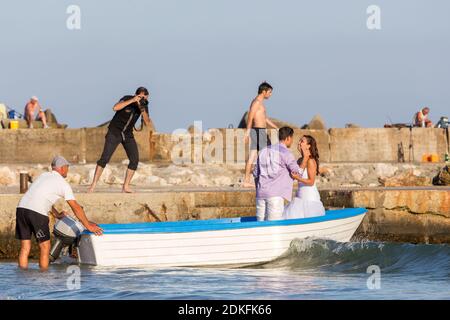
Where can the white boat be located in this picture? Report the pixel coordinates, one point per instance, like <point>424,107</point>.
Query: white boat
<point>232,241</point>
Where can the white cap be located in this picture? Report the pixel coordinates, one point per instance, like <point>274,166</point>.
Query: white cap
<point>34,98</point>
<point>59,162</point>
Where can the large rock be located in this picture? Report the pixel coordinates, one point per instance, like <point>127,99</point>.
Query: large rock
<point>7,176</point>
<point>144,169</point>
<point>74,178</point>
<point>152,180</point>
<point>222,181</point>
<point>194,130</point>
<point>52,121</point>
<point>200,180</point>
<point>316,123</point>
<point>359,174</point>
<point>34,173</point>
<point>175,181</point>
<point>443,177</point>
<point>405,179</point>
<point>384,170</point>
<point>106,176</point>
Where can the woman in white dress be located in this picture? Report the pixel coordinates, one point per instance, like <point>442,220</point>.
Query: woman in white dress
<point>306,203</point>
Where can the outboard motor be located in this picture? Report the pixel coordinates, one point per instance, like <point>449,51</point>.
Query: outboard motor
<point>66,231</point>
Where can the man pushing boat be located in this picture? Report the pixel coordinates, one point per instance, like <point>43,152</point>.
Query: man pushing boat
<point>34,207</point>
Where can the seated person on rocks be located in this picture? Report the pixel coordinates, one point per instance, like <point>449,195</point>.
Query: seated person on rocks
<point>31,108</point>
<point>421,118</point>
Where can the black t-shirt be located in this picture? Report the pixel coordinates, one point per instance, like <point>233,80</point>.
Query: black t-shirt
<point>125,119</point>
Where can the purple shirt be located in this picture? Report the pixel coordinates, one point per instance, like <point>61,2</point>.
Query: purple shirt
<point>272,172</point>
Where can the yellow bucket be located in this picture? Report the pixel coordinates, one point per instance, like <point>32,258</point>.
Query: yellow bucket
<point>430,158</point>
<point>14,124</point>
<point>425,157</point>
<point>434,157</point>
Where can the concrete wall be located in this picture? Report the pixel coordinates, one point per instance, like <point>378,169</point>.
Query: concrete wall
<point>94,140</point>
<point>77,145</point>
<point>381,145</point>
<point>335,145</point>
<point>398,215</point>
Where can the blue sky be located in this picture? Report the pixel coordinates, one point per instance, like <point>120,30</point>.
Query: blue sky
<point>203,60</point>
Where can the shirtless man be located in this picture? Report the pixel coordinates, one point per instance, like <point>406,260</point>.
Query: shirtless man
<point>30,111</point>
<point>421,118</point>
<point>256,129</point>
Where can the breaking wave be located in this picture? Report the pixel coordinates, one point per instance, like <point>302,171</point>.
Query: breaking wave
<point>394,258</point>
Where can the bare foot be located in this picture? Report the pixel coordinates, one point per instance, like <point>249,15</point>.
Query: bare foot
<point>248,185</point>
<point>127,190</point>
<point>91,189</point>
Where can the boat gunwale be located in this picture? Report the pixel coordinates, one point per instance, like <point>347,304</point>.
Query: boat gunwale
<point>222,224</point>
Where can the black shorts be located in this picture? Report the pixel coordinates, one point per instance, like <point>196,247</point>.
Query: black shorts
<point>259,139</point>
<point>112,140</point>
<point>30,222</point>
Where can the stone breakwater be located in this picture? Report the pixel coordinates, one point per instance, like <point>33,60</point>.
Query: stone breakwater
<point>417,215</point>
<point>409,214</point>
<point>85,145</point>
<point>343,175</point>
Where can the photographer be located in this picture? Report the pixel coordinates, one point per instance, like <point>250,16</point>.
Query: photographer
<point>120,130</point>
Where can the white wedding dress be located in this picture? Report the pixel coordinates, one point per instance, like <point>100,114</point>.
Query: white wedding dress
<point>306,203</point>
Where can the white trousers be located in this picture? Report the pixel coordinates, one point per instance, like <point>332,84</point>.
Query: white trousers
<point>269,209</point>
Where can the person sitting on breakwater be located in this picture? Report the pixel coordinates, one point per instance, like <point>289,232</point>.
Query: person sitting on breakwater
<point>421,118</point>
<point>306,203</point>
<point>30,113</point>
<point>32,211</point>
<point>273,181</point>
<point>120,130</point>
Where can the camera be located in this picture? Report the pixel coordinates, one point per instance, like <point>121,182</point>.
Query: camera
<point>143,102</point>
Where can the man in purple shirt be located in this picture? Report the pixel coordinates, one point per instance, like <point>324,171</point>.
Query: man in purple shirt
<point>273,177</point>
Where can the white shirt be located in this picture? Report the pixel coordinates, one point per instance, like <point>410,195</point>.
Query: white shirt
<point>45,191</point>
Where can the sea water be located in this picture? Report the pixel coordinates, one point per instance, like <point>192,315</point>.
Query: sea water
<point>310,269</point>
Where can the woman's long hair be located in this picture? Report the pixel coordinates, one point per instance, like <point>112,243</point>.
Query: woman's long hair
<point>313,149</point>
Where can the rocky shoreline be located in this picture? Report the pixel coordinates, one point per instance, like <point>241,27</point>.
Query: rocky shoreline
<point>334,175</point>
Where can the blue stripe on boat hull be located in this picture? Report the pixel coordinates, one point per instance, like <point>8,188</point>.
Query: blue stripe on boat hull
<point>222,224</point>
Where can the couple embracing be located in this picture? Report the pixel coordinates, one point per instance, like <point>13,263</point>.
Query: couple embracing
<point>275,172</point>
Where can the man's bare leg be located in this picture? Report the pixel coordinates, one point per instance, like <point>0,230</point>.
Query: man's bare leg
<point>25,248</point>
<point>44,256</point>
<point>126,184</point>
<point>248,168</point>
<point>29,119</point>
<point>43,119</point>
<point>97,175</point>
